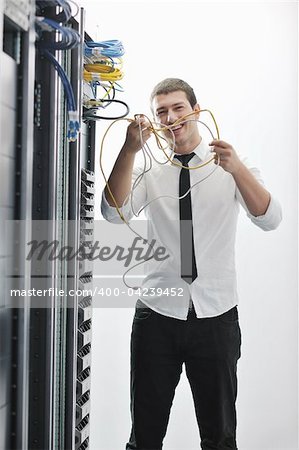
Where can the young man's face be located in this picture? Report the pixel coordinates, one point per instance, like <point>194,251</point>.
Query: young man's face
<point>168,108</point>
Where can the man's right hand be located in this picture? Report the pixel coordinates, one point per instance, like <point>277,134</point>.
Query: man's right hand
<point>120,179</point>
<point>133,142</point>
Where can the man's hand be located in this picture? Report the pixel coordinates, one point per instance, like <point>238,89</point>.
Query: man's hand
<point>228,158</point>
<point>256,197</point>
<point>120,179</point>
<point>133,142</point>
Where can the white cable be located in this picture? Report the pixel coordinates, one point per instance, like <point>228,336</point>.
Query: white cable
<point>139,178</point>
<point>178,198</point>
<point>147,151</point>
<point>189,190</point>
<point>77,7</point>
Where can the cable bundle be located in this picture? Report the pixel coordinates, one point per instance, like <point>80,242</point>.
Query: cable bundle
<point>158,129</point>
<point>103,61</point>
<point>103,70</point>
<point>112,48</point>
<point>69,39</point>
<point>148,156</point>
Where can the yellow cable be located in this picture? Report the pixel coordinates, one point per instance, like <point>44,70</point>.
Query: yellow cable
<point>104,71</point>
<point>114,75</point>
<point>177,122</point>
<point>94,102</point>
<point>97,66</point>
<point>158,140</point>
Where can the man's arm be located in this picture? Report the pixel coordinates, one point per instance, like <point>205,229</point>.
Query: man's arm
<point>120,179</point>
<point>255,196</point>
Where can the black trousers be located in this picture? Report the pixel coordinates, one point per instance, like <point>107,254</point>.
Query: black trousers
<point>209,348</point>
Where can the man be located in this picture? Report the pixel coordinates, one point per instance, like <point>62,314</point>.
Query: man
<point>198,326</point>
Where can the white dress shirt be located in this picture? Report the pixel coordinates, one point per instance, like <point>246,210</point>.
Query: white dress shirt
<point>215,208</point>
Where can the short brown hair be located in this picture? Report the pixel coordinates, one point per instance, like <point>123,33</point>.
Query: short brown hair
<point>171,85</point>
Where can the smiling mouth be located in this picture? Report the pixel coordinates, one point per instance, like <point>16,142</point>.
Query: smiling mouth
<point>176,128</point>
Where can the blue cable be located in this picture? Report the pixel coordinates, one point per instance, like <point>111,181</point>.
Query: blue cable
<point>73,124</point>
<point>69,38</point>
<point>66,14</point>
<point>113,48</point>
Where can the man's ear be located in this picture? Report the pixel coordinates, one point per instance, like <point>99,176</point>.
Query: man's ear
<point>197,108</point>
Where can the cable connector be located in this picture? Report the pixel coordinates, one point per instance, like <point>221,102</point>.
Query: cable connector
<point>73,126</point>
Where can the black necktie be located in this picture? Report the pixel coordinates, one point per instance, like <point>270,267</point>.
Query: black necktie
<point>188,263</point>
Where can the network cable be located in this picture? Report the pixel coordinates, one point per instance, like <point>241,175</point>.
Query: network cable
<point>103,69</point>
<point>69,39</point>
<point>101,72</point>
<point>73,116</point>
<point>97,101</point>
<point>93,115</point>
<point>113,48</point>
<point>146,151</point>
<point>156,132</point>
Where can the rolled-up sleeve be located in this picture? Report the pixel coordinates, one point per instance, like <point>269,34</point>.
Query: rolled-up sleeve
<point>133,203</point>
<point>273,216</point>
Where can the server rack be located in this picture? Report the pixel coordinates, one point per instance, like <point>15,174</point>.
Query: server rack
<point>45,345</point>
<point>16,127</point>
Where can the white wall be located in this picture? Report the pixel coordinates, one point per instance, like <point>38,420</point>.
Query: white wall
<point>241,58</point>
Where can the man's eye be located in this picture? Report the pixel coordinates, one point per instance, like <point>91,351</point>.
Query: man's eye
<point>160,113</point>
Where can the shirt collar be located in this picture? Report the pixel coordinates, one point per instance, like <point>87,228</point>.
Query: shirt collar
<point>202,150</point>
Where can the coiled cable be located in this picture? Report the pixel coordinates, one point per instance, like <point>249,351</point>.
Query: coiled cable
<point>113,48</point>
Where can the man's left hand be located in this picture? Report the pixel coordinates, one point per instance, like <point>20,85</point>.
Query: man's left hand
<point>228,158</point>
